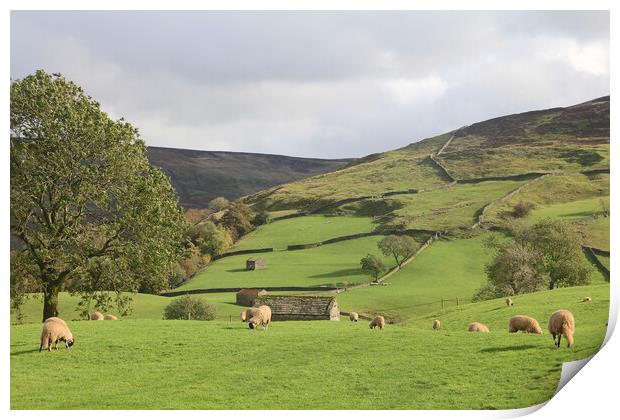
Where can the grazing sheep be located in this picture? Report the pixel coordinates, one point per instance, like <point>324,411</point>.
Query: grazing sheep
<point>353,316</point>
<point>261,317</point>
<point>110,317</point>
<point>562,323</point>
<point>96,316</point>
<point>524,323</point>
<point>509,302</point>
<point>587,299</point>
<point>55,330</point>
<point>436,324</point>
<point>377,321</point>
<point>248,313</point>
<point>477,327</point>
<point>56,319</point>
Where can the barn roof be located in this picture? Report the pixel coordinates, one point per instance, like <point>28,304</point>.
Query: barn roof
<point>250,291</point>
<point>302,305</point>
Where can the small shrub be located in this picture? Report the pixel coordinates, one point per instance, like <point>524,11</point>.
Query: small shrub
<point>190,308</point>
<point>522,209</point>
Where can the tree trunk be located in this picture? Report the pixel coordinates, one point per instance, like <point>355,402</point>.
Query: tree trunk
<point>50,301</point>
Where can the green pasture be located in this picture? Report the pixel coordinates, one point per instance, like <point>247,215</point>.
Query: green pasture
<point>596,233</point>
<point>307,365</point>
<point>326,265</point>
<point>572,211</point>
<point>303,230</point>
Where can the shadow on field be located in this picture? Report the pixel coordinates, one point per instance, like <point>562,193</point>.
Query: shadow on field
<point>509,348</point>
<point>236,270</point>
<point>338,273</point>
<point>17,353</point>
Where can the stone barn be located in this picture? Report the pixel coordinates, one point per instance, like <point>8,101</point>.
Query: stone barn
<point>301,308</point>
<point>255,264</point>
<point>246,297</point>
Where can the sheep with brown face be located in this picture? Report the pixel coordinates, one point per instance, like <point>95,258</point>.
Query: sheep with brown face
<point>562,323</point>
<point>524,323</point>
<point>248,313</point>
<point>261,317</point>
<point>477,327</point>
<point>96,316</point>
<point>55,330</point>
<point>353,316</point>
<point>436,324</point>
<point>377,321</point>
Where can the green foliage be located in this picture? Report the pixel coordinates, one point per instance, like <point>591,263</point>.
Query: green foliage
<point>210,238</point>
<point>399,247</point>
<point>218,204</point>
<point>559,243</point>
<point>190,308</point>
<point>82,190</point>
<point>238,219</point>
<point>373,265</point>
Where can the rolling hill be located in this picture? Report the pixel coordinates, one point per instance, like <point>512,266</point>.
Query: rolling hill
<point>199,176</point>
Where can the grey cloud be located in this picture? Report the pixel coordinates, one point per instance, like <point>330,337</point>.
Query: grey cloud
<point>325,84</point>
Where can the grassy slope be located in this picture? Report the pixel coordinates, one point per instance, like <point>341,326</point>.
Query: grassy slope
<point>302,230</point>
<point>193,364</point>
<point>572,211</point>
<point>325,265</point>
<point>445,270</point>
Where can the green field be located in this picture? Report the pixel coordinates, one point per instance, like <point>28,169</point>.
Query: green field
<point>597,233</point>
<point>445,270</point>
<point>325,265</point>
<point>303,230</point>
<point>200,365</point>
<point>144,306</point>
<point>575,210</point>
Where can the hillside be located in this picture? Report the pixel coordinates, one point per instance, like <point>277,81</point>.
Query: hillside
<point>199,176</point>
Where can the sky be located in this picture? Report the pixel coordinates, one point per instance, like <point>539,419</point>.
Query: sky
<point>315,84</point>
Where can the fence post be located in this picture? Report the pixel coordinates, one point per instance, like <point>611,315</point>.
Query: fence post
<point>457,301</point>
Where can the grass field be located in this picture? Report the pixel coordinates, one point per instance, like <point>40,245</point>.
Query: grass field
<point>445,270</point>
<point>597,233</point>
<point>144,306</point>
<point>303,230</point>
<point>572,211</point>
<point>194,364</point>
<point>325,265</point>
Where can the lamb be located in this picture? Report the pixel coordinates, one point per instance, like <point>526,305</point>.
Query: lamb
<point>248,313</point>
<point>261,317</point>
<point>587,299</point>
<point>110,317</point>
<point>524,323</point>
<point>96,316</point>
<point>353,316</point>
<point>436,324</point>
<point>477,327</point>
<point>55,330</point>
<point>377,321</point>
<point>562,323</point>
<point>509,302</point>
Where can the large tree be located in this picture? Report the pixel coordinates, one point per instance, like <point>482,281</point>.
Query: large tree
<point>83,192</point>
<point>399,247</point>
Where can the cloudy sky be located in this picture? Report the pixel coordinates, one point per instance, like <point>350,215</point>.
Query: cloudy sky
<point>315,84</point>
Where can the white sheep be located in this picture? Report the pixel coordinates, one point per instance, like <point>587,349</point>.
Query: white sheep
<point>110,317</point>
<point>353,316</point>
<point>477,327</point>
<point>55,330</point>
<point>587,299</point>
<point>377,321</point>
<point>261,317</point>
<point>524,323</point>
<point>562,323</point>
<point>509,302</point>
<point>436,324</point>
<point>248,313</point>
